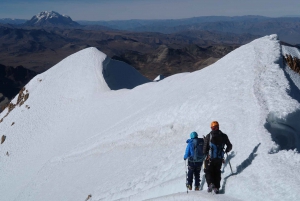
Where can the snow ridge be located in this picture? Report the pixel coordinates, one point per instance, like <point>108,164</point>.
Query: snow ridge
<point>84,134</point>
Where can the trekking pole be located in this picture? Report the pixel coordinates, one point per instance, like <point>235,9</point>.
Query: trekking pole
<point>229,164</point>
<point>186,177</point>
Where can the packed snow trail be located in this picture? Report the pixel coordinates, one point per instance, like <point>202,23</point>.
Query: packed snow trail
<point>195,196</point>
<point>81,138</point>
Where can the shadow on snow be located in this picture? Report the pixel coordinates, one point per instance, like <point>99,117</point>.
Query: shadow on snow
<point>239,168</point>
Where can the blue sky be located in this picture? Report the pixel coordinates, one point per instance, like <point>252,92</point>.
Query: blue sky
<point>148,9</point>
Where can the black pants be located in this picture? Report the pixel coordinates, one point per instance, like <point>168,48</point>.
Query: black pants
<point>194,170</point>
<point>213,171</point>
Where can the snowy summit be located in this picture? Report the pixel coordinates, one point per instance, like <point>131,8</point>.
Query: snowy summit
<point>91,128</point>
<point>48,18</point>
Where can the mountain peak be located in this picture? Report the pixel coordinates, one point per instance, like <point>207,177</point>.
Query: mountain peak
<point>49,14</point>
<point>51,18</point>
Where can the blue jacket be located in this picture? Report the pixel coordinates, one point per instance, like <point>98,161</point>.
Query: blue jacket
<point>189,151</point>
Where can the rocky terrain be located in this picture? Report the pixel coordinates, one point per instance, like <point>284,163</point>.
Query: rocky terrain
<point>293,63</point>
<point>39,49</point>
<point>167,61</point>
<point>12,81</point>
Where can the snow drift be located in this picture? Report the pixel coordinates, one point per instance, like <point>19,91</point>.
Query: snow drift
<point>82,138</point>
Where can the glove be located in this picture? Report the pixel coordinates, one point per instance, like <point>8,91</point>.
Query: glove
<point>226,150</point>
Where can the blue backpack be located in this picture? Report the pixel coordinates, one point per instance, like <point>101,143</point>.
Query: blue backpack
<point>216,150</point>
<point>198,155</point>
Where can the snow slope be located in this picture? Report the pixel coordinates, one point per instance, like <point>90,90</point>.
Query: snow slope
<point>82,138</point>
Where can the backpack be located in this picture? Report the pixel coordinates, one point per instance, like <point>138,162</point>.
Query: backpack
<point>198,155</point>
<point>216,150</point>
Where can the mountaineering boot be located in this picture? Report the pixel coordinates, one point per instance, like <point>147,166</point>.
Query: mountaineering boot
<point>216,191</point>
<point>197,188</point>
<point>189,187</point>
<point>210,187</point>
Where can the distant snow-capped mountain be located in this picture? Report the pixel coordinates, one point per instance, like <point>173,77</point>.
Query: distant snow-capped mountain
<point>50,18</point>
